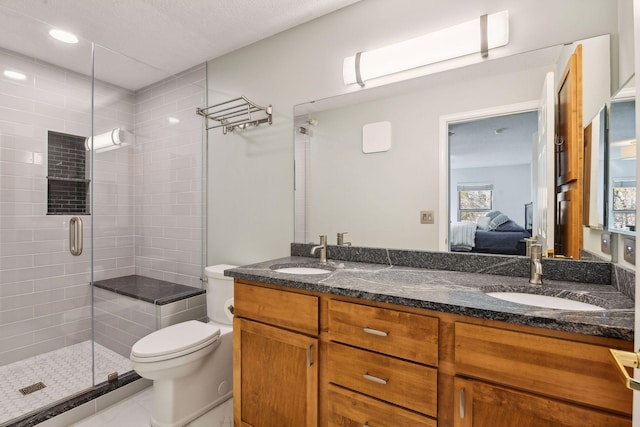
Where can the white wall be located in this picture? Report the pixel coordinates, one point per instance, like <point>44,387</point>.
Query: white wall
<point>251,174</point>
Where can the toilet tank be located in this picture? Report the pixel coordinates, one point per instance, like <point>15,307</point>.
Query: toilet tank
<point>219,293</point>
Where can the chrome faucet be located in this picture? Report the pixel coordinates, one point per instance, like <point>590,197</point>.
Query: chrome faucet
<point>341,241</point>
<point>323,248</point>
<point>535,276</point>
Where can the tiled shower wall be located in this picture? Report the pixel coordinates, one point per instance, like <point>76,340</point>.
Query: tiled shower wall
<point>168,179</point>
<point>147,204</point>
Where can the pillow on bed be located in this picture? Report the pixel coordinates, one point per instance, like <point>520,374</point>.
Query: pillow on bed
<point>483,222</point>
<point>492,214</point>
<point>498,221</point>
<point>509,226</point>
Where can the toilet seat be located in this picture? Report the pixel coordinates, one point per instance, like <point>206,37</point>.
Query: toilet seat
<point>174,341</point>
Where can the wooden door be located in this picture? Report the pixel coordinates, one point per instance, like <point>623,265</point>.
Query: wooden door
<point>275,376</point>
<point>479,404</point>
<point>568,160</point>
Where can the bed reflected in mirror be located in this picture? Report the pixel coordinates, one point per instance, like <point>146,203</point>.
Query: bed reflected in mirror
<point>490,183</point>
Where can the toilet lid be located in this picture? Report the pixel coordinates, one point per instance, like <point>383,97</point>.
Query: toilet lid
<point>176,339</point>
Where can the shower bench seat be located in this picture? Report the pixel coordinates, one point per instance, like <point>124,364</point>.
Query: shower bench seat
<point>130,307</point>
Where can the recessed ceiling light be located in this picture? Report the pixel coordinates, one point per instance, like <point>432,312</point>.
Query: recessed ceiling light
<point>174,120</point>
<point>63,36</point>
<point>14,75</point>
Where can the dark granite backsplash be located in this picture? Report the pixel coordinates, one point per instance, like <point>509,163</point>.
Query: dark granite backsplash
<point>624,280</point>
<point>503,265</point>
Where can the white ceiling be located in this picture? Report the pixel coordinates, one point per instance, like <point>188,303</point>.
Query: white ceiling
<point>494,141</point>
<point>168,36</point>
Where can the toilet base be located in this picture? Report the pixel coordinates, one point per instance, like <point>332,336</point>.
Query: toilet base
<point>185,418</point>
<point>178,401</point>
<point>220,416</point>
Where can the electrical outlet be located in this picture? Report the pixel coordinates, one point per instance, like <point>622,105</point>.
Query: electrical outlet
<point>426,217</point>
<point>605,243</point>
<point>630,250</point>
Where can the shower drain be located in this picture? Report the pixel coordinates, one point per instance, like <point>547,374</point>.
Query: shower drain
<point>31,388</point>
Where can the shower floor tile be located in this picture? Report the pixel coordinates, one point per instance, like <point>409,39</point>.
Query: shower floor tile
<point>64,372</point>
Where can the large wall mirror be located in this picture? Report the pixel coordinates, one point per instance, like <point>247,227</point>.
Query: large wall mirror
<point>385,187</point>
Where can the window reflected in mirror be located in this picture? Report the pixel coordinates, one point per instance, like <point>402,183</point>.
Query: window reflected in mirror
<point>622,166</point>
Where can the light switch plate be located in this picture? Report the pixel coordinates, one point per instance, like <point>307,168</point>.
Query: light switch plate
<point>427,217</point>
<point>630,250</point>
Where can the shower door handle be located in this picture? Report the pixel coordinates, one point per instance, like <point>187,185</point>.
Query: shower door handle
<point>75,236</point>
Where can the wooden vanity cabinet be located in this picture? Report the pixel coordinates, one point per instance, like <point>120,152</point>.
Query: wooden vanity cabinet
<point>275,357</point>
<point>310,359</point>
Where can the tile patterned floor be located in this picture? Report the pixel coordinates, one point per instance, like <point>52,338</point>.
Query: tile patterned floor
<point>65,372</point>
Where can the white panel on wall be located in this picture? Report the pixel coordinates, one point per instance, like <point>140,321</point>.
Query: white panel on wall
<point>376,137</point>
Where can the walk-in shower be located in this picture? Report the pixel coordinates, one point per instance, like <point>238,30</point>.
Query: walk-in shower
<point>99,246</point>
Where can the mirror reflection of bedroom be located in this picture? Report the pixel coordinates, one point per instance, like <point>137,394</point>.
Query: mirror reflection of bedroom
<point>490,183</point>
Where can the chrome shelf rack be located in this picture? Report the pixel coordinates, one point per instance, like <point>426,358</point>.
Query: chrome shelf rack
<point>239,113</point>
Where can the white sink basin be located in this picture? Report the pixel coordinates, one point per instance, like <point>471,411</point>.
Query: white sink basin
<point>302,270</point>
<point>544,301</point>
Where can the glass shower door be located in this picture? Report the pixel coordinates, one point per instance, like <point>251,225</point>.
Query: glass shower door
<point>46,352</point>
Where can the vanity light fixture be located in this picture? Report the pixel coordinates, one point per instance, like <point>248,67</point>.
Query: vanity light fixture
<point>478,35</point>
<point>14,75</point>
<point>63,36</point>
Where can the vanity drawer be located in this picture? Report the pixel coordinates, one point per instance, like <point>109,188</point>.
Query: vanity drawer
<point>569,370</point>
<point>397,381</point>
<point>405,335</point>
<point>288,310</point>
<point>347,408</point>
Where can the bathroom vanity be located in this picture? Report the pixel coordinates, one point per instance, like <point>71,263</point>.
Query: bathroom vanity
<point>381,345</point>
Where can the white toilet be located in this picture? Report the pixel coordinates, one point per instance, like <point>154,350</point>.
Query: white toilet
<point>191,363</point>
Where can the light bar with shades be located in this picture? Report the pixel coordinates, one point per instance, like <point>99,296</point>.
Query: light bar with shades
<point>478,35</point>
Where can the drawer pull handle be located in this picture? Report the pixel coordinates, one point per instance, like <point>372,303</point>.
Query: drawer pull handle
<point>366,424</point>
<point>309,356</point>
<point>375,379</point>
<point>375,332</point>
<point>461,408</point>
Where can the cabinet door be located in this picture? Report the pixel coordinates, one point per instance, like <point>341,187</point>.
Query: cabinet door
<point>275,379</point>
<point>478,404</point>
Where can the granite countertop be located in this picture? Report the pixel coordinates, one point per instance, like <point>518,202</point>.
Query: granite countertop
<point>456,292</point>
<point>159,292</point>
